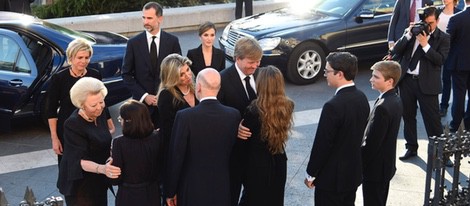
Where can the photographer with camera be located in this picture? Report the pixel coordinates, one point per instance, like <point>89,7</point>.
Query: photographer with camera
<point>422,51</point>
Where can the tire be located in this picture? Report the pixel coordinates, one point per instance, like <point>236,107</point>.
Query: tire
<point>306,64</point>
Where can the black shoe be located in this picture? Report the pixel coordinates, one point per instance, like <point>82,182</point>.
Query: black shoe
<point>409,154</point>
<point>443,112</point>
<point>449,163</point>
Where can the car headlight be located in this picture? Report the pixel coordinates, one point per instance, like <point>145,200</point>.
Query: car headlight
<point>225,33</point>
<point>269,43</point>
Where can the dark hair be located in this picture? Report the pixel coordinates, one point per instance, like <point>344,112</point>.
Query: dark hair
<point>136,119</point>
<point>344,62</point>
<point>206,26</point>
<point>428,11</point>
<point>154,5</point>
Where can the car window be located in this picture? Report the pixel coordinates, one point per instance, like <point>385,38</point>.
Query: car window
<point>11,57</point>
<point>379,7</point>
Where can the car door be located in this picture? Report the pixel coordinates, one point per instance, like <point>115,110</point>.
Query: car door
<point>367,29</point>
<point>17,73</point>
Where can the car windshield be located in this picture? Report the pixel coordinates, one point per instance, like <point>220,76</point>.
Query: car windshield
<point>73,34</point>
<point>331,7</point>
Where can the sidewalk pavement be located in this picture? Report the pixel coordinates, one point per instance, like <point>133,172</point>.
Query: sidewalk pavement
<point>406,188</point>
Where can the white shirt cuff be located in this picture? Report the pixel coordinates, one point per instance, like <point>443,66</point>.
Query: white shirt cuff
<point>309,178</point>
<point>143,97</point>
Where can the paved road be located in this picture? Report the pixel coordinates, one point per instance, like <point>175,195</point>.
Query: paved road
<point>27,160</point>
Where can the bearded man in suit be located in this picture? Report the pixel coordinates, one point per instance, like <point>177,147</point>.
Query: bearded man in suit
<point>144,54</point>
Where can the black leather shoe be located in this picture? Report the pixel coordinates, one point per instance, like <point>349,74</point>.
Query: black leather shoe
<point>448,163</point>
<point>409,154</point>
<point>443,112</point>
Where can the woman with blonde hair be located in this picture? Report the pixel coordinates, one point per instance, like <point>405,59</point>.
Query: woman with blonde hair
<point>59,105</point>
<point>176,92</point>
<point>270,119</point>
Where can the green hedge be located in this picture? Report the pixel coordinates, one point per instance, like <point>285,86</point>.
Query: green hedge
<point>66,8</point>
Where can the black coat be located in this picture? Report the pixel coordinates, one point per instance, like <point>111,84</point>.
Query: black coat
<point>379,153</point>
<point>196,56</point>
<point>200,147</point>
<point>430,63</point>
<point>335,159</point>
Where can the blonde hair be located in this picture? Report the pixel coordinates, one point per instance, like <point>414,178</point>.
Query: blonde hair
<point>77,45</point>
<point>170,75</point>
<point>275,108</point>
<point>247,47</point>
<point>83,88</point>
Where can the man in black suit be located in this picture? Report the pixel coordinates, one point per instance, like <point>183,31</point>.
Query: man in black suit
<point>458,62</point>
<point>200,148</point>
<point>335,165</point>
<point>402,16</point>
<point>236,93</point>
<point>144,54</point>
<point>421,58</point>
<point>380,137</point>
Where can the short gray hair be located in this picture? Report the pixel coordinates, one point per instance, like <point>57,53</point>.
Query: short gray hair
<point>83,88</point>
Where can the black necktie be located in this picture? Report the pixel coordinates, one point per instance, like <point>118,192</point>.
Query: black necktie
<point>249,89</point>
<point>153,53</point>
<point>416,56</point>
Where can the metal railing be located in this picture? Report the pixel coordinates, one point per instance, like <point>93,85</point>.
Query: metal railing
<point>30,200</point>
<point>440,149</point>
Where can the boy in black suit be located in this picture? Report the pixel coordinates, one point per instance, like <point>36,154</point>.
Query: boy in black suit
<point>335,165</point>
<point>380,137</point>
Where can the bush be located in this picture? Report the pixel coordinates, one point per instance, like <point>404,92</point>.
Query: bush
<point>66,8</point>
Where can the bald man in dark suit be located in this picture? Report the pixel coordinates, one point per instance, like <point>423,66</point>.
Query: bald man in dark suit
<point>200,148</point>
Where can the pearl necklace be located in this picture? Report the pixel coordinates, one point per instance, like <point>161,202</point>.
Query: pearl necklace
<point>186,93</point>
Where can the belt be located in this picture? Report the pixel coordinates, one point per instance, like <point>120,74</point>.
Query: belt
<point>413,76</point>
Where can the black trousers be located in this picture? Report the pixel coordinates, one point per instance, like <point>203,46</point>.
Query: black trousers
<point>375,193</point>
<point>460,86</point>
<point>329,198</point>
<point>239,8</point>
<point>411,95</point>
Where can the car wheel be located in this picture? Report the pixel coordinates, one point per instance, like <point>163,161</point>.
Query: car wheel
<point>306,63</point>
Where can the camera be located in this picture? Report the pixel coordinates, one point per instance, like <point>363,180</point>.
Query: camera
<point>420,27</point>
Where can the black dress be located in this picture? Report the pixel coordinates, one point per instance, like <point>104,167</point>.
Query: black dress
<point>140,163</point>
<point>167,111</point>
<point>266,173</point>
<point>197,57</point>
<point>84,141</point>
<point>59,97</point>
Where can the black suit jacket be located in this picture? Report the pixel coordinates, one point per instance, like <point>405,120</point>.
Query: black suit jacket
<point>232,92</point>
<point>459,53</point>
<point>137,70</point>
<point>335,159</point>
<point>430,63</point>
<point>196,56</point>
<point>379,153</point>
<point>200,147</point>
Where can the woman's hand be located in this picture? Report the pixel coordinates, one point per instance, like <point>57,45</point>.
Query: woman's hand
<point>111,171</point>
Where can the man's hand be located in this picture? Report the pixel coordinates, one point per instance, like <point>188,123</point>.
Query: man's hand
<point>243,132</point>
<point>151,100</point>
<point>309,184</point>
<point>171,201</point>
<point>422,39</point>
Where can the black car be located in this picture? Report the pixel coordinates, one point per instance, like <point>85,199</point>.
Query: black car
<point>32,50</point>
<point>297,39</point>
